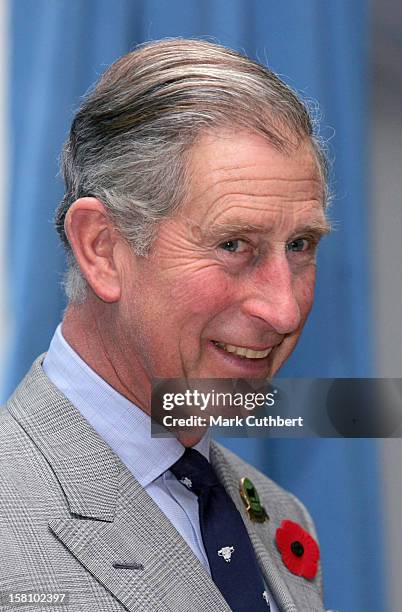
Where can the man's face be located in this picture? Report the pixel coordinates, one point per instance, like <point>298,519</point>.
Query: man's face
<point>229,282</point>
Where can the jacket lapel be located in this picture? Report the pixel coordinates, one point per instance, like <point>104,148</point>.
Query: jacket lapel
<point>114,529</point>
<point>288,590</point>
<point>156,569</point>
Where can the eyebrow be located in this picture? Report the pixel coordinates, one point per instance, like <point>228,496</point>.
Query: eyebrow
<point>223,230</point>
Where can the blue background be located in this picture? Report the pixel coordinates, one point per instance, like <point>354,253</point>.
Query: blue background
<point>320,47</point>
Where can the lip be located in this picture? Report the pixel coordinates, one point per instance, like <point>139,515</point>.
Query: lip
<point>241,366</point>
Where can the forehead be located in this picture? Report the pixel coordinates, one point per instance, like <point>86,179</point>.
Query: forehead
<point>237,175</point>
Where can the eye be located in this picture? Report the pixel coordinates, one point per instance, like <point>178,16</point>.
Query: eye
<point>299,245</point>
<point>235,246</point>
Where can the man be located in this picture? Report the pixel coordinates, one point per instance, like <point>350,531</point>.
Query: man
<point>195,196</point>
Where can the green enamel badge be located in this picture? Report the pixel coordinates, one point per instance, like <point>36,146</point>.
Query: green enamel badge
<point>252,502</point>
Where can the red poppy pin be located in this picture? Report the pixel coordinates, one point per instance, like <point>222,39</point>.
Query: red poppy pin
<point>300,552</point>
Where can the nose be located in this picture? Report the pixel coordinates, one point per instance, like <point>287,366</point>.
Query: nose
<point>272,296</point>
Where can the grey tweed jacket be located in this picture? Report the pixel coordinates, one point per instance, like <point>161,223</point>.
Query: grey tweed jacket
<point>71,512</point>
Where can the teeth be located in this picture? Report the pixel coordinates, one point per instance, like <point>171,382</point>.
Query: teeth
<point>244,352</point>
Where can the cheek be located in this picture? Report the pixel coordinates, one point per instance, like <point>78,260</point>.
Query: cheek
<point>187,307</point>
<point>204,291</point>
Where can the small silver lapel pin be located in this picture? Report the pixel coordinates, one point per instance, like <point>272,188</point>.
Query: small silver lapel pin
<point>226,552</point>
<point>186,481</point>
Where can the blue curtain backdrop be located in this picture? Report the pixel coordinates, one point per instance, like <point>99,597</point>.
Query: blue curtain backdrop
<point>58,48</point>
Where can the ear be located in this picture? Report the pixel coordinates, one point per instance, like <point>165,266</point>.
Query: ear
<point>93,239</point>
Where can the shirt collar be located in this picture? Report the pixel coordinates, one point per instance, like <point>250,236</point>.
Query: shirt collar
<point>122,424</point>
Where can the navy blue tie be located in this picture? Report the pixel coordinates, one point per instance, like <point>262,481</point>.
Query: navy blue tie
<point>231,557</point>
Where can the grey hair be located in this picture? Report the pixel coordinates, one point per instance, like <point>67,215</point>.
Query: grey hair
<point>130,139</point>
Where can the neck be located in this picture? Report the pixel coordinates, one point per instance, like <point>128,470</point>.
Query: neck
<point>87,329</point>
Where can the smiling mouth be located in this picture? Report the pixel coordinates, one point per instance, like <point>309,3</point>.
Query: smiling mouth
<point>242,351</point>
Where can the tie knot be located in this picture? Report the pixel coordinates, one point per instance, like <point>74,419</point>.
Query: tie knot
<point>194,471</point>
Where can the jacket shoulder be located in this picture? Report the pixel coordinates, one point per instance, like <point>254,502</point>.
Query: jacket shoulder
<point>24,471</point>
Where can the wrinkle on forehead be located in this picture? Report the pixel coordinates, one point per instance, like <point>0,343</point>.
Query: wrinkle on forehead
<point>232,154</point>
<point>266,211</point>
<point>288,189</point>
<point>258,169</point>
<point>221,171</point>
